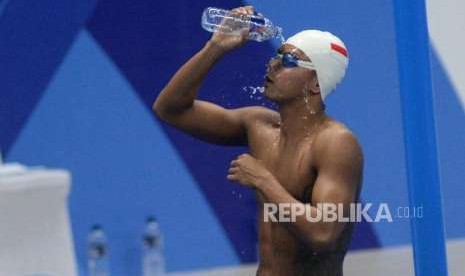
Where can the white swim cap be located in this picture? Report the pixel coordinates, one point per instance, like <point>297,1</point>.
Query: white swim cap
<point>328,54</point>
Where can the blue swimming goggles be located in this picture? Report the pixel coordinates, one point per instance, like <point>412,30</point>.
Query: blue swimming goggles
<point>290,61</point>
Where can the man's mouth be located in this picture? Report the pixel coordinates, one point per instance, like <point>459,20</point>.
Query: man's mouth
<point>268,79</point>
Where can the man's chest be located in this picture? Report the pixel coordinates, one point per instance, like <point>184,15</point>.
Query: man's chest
<point>291,165</point>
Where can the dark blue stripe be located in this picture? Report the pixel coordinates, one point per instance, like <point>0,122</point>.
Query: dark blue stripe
<point>149,42</point>
<point>34,37</point>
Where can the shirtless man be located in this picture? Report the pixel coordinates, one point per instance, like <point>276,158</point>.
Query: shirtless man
<point>298,155</point>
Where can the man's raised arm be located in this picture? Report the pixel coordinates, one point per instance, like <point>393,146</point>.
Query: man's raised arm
<point>177,104</point>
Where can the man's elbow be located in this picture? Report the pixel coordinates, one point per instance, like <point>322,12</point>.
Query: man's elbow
<point>160,110</point>
<point>168,110</point>
<point>157,108</point>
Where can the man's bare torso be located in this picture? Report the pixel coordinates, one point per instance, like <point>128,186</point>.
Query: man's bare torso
<point>290,161</point>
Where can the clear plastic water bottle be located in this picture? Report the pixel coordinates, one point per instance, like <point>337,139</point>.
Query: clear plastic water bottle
<point>97,258</point>
<point>153,262</point>
<point>227,22</point>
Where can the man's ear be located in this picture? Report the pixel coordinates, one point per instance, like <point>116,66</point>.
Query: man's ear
<point>314,86</point>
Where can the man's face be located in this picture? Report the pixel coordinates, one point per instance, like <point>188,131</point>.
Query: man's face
<point>286,84</point>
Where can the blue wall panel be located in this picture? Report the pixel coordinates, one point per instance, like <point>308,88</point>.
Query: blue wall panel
<point>124,167</point>
<point>450,118</point>
<point>149,42</point>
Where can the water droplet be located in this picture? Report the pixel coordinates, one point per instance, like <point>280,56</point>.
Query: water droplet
<point>306,97</point>
<point>255,93</point>
<point>280,36</point>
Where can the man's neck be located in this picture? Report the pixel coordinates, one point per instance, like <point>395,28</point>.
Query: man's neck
<point>300,119</point>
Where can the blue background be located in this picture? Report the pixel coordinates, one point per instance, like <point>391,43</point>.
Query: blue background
<point>77,80</point>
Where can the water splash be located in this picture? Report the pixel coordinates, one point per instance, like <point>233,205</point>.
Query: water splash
<point>306,97</point>
<point>306,92</point>
<point>280,36</point>
<point>255,92</point>
<point>307,100</point>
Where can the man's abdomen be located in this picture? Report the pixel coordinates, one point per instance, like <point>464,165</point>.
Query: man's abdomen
<point>282,254</point>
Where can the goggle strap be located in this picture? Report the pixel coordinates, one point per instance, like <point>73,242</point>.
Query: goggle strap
<point>301,63</point>
<point>306,64</point>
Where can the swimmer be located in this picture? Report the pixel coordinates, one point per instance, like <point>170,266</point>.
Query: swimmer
<point>298,155</point>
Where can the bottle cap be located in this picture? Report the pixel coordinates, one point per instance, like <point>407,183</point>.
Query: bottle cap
<point>96,227</point>
<point>151,219</point>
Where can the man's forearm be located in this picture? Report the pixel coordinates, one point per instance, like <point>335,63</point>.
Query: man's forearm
<point>318,235</point>
<point>182,89</point>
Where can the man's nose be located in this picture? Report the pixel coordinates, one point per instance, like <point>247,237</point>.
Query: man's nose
<point>273,65</point>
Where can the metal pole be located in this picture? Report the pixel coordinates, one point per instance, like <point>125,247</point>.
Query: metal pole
<point>424,188</point>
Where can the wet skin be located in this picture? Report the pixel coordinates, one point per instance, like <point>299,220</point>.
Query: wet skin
<point>282,252</point>
<point>298,155</point>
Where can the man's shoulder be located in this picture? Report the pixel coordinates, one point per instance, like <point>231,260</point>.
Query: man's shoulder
<point>259,114</point>
<point>335,138</point>
<point>333,129</point>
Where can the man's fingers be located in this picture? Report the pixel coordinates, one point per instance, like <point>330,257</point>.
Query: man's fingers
<point>244,10</point>
<point>240,10</point>
<point>231,177</point>
<point>249,9</point>
<point>237,161</point>
<point>233,170</point>
<point>245,34</point>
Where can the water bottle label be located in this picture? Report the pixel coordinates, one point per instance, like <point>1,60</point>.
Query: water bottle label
<point>97,251</point>
<point>152,241</point>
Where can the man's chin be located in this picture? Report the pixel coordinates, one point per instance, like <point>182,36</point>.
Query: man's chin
<point>269,95</point>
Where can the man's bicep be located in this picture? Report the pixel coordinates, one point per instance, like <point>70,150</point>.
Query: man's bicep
<point>338,180</point>
<point>339,169</point>
<point>332,189</point>
<point>213,123</point>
